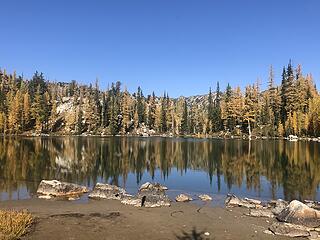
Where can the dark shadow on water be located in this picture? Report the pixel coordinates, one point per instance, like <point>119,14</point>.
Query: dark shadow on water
<point>192,235</point>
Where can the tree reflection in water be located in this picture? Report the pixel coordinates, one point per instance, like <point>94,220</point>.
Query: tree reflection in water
<point>290,167</point>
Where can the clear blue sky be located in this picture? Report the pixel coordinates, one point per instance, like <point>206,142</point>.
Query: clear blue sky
<point>180,46</point>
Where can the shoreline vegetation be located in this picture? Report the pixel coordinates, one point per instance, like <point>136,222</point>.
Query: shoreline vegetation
<point>38,106</point>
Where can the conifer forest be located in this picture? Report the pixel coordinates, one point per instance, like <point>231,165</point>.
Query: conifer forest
<point>40,106</point>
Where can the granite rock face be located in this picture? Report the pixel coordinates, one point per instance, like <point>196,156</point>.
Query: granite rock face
<point>56,188</point>
<point>107,191</point>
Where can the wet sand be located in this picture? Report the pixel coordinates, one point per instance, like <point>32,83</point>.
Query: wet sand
<point>109,219</point>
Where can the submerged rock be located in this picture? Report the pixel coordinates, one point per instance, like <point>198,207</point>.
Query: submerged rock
<point>299,213</point>
<point>107,191</point>
<point>234,201</point>
<point>289,230</point>
<point>205,197</point>
<point>183,198</point>
<point>149,195</point>
<point>60,189</point>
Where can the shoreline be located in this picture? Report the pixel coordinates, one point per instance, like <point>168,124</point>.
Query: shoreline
<point>235,137</point>
<point>109,219</point>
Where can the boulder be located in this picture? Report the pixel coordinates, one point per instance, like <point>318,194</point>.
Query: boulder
<point>261,213</point>
<point>60,189</point>
<point>152,186</point>
<point>107,191</point>
<point>183,198</point>
<point>299,213</point>
<point>136,202</point>
<point>205,197</point>
<point>289,230</point>
<point>312,204</point>
<point>314,235</point>
<point>150,196</point>
<point>234,201</point>
<point>277,205</point>
<point>253,201</point>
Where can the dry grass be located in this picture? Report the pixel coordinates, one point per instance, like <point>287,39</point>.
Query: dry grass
<point>14,224</point>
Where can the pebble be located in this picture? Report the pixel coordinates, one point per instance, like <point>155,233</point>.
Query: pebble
<point>206,233</point>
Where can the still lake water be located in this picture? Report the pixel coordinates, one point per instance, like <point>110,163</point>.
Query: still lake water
<point>264,169</point>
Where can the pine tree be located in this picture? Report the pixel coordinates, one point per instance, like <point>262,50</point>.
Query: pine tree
<point>164,104</point>
<point>184,122</point>
<point>14,117</point>
<point>210,113</point>
<point>216,116</point>
<point>79,115</point>
<point>38,110</point>
<point>26,111</point>
<point>152,112</point>
<point>140,106</point>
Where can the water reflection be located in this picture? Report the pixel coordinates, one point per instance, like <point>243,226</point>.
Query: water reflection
<point>266,169</point>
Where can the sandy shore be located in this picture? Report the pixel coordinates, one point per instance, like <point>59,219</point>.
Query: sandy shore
<point>109,219</point>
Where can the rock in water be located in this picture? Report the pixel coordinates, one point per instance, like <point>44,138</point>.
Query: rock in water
<point>183,198</point>
<point>149,195</point>
<point>59,189</point>
<point>299,213</point>
<point>107,191</point>
<point>289,230</point>
<point>234,201</point>
<point>151,186</point>
<point>205,197</point>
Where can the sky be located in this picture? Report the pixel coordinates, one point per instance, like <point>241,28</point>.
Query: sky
<point>179,46</point>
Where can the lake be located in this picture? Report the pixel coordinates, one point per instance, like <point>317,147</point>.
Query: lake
<point>264,169</point>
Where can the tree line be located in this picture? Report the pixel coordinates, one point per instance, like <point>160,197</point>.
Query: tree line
<point>37,105</point>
